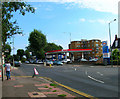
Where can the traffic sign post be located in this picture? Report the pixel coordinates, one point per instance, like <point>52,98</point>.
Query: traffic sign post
<point>106,55</point>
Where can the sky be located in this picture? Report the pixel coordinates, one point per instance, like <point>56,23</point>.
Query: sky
<point>57,19</point>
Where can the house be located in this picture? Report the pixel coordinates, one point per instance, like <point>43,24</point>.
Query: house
<point>116,43</point>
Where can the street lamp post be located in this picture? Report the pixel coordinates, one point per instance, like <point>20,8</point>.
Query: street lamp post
<point>110,41</point>
<point>13,53</point>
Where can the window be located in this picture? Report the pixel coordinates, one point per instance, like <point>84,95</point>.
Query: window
<point>78,45</point>
<point>116,43</point>
<point>78,42</point>
<point>97,45</point>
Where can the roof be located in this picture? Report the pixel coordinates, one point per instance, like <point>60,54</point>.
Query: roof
<point>116,43</point>
<point>68,50</point>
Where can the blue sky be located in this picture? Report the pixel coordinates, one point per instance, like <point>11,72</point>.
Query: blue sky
<point>57,19</point>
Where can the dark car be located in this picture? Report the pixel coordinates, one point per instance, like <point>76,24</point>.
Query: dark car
<point>16,63</point>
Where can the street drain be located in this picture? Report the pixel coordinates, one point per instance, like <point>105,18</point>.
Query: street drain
<point>35,94</point>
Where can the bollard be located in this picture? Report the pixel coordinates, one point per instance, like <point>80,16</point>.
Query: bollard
<point>50,65</point>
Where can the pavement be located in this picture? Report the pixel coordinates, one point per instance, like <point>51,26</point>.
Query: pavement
<point>37,87</point>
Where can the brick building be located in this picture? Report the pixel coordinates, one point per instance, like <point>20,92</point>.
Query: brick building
<point>94,44</point>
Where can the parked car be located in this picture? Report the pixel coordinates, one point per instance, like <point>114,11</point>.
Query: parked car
<point>83,60</point>
<point>55,62</point>
<point>31,61</point>
<point>59,63</point>
<point>39,62</point>
<point>94,59</point>
<point>27,62</point>
<point>17,63</point>
<point>49,62</point>
<point>65,61</point>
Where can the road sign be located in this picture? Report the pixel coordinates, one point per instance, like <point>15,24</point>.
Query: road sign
<point>105,49</point>
<point>106,55</point>
<point>104,43</point>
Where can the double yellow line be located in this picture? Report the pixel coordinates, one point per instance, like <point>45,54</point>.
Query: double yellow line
<point>69,88</point>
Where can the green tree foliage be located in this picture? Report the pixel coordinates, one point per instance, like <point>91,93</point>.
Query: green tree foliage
<point>7,52</point>
<point>52,46</point>
<point>20,53</point>
<point>116,54</point>
<point>16,58</point>
<point>9,27</point>
<point>37,43</point>
<point>7,49</point>
<point>27,54</point>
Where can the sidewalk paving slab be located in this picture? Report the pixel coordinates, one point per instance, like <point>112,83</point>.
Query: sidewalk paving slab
<point>28,87</point>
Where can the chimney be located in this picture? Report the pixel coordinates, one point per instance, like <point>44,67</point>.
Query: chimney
<point>115,37</point>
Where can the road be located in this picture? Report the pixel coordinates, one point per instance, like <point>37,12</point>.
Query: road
<point>97,81</point>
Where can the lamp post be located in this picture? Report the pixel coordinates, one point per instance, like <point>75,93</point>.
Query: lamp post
<point>110,41</point>
<point>13,52</point>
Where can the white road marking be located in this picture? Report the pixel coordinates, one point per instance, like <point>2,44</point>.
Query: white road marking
<point>100,73</point>
<point>95,79</point>
<point>86,72</point>
<point>91,66</point>
<point>75,69</point>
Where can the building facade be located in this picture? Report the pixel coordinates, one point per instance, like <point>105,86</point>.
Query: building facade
<point>94,44</point>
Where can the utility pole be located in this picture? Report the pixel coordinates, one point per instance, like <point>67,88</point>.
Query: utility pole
<point>13,52</point>
<point>1,58</point>
<point>110,41</point>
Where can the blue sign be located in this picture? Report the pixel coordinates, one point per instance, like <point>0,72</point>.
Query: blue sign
<point>105,49</point>
<point>104,43</point>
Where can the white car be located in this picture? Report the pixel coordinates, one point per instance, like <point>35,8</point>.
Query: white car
<point>65,61</point>
<point>84,60</point>
<point>93,60</point>
<point>49,62</point>
<point>39,62</point>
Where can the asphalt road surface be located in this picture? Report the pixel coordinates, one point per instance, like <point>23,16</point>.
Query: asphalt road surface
<point>98,81</point>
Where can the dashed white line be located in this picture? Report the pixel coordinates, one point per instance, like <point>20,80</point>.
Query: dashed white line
<point>100,73</point>
<point>95,79</point>
<point>75,69</point>
<point>86,72</point>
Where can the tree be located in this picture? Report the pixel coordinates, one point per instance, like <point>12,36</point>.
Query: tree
<point>27,54</point>
<point>7,52</point>
<point>9,27</point>
<point>52,46</point>
<point>16,57</point>
<point>7,49</point>
<point>20,53</point>
<point>37,42</point>
<point>116,54</point>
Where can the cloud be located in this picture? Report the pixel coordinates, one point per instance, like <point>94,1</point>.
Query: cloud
<point>82,20</point>
<point>97,5</point>
<point>102,21</point>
